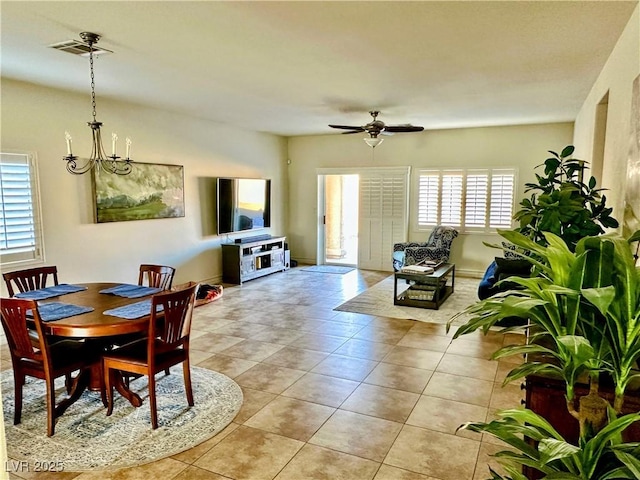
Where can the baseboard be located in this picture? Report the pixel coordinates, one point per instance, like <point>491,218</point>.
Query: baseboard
<point>217,280</point>
<point>469,273</point>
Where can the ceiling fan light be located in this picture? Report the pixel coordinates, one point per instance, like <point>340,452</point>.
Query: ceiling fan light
<point>373,142</point>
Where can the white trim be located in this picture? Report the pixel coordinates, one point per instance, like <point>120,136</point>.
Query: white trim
<point>39,252</point>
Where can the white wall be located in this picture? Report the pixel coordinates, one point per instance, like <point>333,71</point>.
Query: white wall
<point>35,119</point>
<point>616,78</point>
<point>522,147</point>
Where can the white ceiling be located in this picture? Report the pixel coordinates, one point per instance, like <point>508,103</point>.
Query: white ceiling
<point>291,68</point>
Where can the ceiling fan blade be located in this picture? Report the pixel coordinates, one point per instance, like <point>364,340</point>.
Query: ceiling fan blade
<point>347,127</point>
<point>359,130</point>
<point>403,128</point>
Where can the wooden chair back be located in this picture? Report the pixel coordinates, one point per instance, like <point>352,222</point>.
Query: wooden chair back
<point>29,279</point>
<point>174,329</point>
<point>21,345</point>
<point>158,276</point>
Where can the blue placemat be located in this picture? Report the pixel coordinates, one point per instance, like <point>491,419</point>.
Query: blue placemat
<point>133,310</point>
<point>57,310</point>
<point>131,291</point>
<point>48,292</point>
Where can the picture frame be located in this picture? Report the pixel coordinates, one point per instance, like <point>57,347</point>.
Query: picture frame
<point>150,191</point>
<point>631,221</point>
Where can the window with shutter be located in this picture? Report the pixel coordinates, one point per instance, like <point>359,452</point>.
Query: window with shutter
<point>451,199</point>
<point>429,198</point>
<point>476,194</point>
<point>472,200</point>
<point>20,232</point>
<point>502,196</point>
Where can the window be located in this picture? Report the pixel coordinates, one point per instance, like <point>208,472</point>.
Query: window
<point>20,229</point>
<point>474,200</point>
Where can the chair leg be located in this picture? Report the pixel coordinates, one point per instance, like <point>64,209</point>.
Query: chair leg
<point>51,411</point>
<point>103,390</point>
<point>68,382</point>
<point>152,400</point>
<point>187,381</point>
<point>108,387</point>
<point>18,383</point>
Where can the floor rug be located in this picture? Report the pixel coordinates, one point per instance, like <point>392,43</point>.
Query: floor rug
<point>86,439</point>
<point>378,300</point>
<point>328,269</point>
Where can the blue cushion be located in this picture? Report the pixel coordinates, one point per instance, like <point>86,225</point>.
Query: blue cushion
<point>398,261</point>
<point>489,278</point>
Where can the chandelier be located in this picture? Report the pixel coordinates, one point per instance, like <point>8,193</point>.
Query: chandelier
<point>98,159</point>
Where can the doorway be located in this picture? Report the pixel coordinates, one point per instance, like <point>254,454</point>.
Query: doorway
<point>340,224</point>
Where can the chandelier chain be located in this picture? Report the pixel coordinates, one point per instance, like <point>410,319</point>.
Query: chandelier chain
<point>93,82</point>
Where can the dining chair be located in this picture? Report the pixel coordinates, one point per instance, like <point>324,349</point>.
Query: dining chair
<point>29,279</point>
<point>166,344</point>
<point>159,276</point>
<point>46,361</point>
<point>26,281</point>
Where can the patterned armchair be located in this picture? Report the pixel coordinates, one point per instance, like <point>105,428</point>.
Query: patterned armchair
<point>437,248</point>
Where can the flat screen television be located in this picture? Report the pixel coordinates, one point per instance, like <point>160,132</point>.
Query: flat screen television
<point>242,204</point>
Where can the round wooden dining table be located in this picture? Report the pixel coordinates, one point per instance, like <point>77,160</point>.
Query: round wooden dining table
<point>96,324</point>
<point>98,328</point>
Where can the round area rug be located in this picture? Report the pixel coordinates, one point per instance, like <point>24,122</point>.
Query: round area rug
<point>86,439</point>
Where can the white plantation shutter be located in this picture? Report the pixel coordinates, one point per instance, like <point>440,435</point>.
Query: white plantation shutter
<point>451,199</point>
<point>20,238</point>
<point>471,200</point>
<point>383,218</point>
<point>428,198</point>
<point>502,196</point>
<point>477,189</point>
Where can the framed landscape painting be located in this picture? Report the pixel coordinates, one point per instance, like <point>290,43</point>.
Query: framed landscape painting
<point>150,191</point>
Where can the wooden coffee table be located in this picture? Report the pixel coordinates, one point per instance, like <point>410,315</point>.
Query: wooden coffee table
<point>425,290</point>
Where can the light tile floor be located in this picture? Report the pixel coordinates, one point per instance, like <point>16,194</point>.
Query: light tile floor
<point>335,395</point>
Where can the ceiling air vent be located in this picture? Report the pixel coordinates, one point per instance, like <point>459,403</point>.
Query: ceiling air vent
<point>79,48</point>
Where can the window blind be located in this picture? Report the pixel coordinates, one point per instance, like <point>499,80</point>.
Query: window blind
<point>19,232</point>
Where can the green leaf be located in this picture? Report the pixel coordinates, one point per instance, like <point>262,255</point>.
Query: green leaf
<point>552,449</point>
<point>601,298</point>
<point>635,237</point>
<point>551,165</point>
<point>579,347</point>
<point>567,151</point>
<point>631,461</point>
<point>530,368</point>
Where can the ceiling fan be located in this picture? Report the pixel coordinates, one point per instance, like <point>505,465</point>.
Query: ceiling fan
<point>377,127</point>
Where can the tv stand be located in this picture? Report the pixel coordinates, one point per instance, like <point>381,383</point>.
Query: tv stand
<point>252,258</point>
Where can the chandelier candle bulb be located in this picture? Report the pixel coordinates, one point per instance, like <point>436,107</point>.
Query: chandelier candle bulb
<point>128,142</point>
<point>114,139</point>
<point>67,136</point>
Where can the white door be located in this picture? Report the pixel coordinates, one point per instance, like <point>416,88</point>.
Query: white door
<point>383,218</point>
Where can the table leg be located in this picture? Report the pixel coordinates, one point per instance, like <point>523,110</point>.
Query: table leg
<point>80,383</point>
<point>133,398</point>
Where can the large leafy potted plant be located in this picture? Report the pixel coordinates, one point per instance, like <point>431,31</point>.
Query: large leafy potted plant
<point>583,313</point>
<point>562,204</point>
